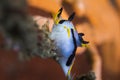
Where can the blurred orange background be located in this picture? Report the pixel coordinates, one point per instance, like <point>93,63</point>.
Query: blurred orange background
<point>98,19</point>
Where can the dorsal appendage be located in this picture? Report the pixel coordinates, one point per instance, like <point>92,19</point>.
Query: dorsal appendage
<point>83,42</point>
<point>57,16</point>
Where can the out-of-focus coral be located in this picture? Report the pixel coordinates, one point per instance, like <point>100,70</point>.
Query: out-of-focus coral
<point>21,33</point>
<point>46,46</point>
<point>88,76</point>
<point>17,27</point>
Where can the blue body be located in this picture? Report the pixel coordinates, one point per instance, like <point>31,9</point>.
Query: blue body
<point>63,43</point>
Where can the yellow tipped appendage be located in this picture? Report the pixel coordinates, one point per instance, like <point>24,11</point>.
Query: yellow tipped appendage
<point>84,45</point>
<point>57,17</point>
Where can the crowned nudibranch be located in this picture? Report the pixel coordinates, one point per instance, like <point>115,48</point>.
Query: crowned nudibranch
<point>66,39</point>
